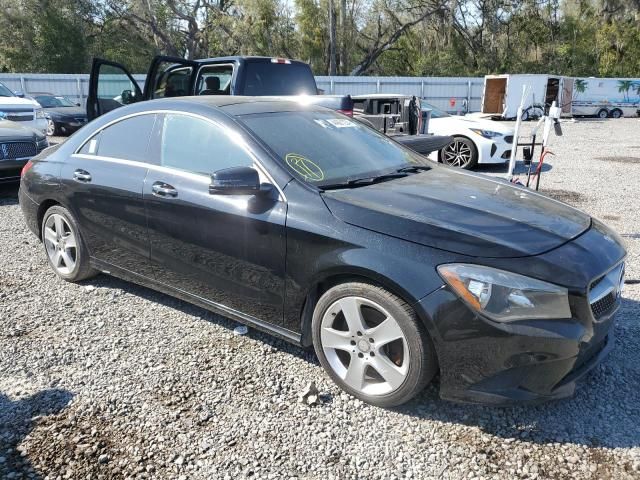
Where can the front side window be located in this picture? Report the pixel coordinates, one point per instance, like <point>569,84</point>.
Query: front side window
<point>324,148</point>
<point>215,80</point>
<point>199,146</point>
<point>127,139</point>
<point>5,92</point>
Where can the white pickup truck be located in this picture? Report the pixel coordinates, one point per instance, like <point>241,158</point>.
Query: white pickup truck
<point>27,112</point>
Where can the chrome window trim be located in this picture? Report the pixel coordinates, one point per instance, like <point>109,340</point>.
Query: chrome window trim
<point>171,170</point>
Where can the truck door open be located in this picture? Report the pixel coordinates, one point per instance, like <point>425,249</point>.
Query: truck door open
<point>110,86</point>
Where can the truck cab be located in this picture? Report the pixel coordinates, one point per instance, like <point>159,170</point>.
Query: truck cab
<point>112,86</point>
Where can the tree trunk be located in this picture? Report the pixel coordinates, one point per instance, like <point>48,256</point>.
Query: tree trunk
<point>333,68</point>
<point>343,37</point>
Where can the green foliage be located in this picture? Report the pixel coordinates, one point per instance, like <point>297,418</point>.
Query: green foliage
<point>578,38</point>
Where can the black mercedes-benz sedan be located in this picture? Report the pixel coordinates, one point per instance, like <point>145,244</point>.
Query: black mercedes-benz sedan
<point>65,116</point>
<point>304,223</point>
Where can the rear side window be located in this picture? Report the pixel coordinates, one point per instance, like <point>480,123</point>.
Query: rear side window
<point>127,139</point>
<point>196,145</point>
<point>215,80</point>
<point>266,78</point>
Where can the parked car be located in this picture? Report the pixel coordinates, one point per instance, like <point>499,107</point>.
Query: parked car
<point>475,140</point>
<point>26,111</point>
<point>65,115</point>
<point>304,223</point>
<point>18,144</point>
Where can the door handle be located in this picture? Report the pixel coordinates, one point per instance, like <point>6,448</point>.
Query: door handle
<point>162,189</point>
<point>82,175</point>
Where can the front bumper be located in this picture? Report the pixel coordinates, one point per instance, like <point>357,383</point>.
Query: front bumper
<point>496,150</point>
<point>482,361</point>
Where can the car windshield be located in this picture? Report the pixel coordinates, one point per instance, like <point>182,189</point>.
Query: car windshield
<point>49,101</point>
<point>324,148</point>
<point>435,112</point>
<point>5,92</point>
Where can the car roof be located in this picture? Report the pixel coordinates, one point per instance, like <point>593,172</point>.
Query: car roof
<point>381,95</point>
<point>240,105</point>
<point>234,58</point>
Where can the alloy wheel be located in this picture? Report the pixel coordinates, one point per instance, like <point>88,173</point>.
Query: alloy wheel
<point>365,346</point>
<point>61,244</point>
<point>457,154</point>
<point>51,127</point>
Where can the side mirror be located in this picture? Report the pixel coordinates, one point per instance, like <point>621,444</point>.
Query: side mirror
<point>235,181</point>
<point>127,97</point>
<point>19,93</point>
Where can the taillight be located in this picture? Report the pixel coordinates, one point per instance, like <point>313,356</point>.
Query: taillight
<point>26,168</point>
<point>348,113</point>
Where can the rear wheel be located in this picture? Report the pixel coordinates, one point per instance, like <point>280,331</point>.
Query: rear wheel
<point>460,153</point>
<point>603,113</point>
<point>63,245</point>
<point>372,345</point>
<point>617,113</point>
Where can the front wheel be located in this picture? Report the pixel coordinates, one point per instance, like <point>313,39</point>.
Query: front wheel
<point>460,153</point>
<point>372,344</point>
<point>65,250</point>
<point>603,113</point>
<point>51,127</point>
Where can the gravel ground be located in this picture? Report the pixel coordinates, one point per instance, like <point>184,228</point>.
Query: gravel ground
<point>110,380</point>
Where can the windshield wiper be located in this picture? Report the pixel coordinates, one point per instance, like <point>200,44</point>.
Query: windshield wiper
<point>361,182</point>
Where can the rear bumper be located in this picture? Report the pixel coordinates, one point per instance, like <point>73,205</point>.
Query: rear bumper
<point>29,211</point>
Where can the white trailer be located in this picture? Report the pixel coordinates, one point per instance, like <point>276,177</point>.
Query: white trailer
<point>502,94</point>
<point>606,97</point>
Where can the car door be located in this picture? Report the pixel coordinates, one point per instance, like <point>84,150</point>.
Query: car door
<point>110,86</point>
<point>170,77</point>
<point>103,181</point>
<point>226,249</point>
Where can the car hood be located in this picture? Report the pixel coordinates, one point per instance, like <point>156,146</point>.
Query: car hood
<point>13,131</point>
<point>17,102</point>
<point>466,122</point>
<point>67,111</point>
<point>460,212</point>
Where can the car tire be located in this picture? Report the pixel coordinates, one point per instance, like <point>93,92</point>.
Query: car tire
<point>65,250</point>
<point>461,153</point>
<point>378,351</point>
<point>51,128</point>
<point>603,113</point>
<point>616,113</point>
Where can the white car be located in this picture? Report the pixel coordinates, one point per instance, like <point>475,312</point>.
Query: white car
<point>475,141</point>
<point>27,112</point>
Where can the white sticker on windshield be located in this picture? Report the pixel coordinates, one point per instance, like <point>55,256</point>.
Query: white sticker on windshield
<point>93,143</point>
<point>341,122</point>
<point>321,122</point>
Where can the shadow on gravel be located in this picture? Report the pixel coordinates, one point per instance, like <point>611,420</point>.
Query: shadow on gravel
<point>107,281</point>
<point>519,169</point>
<point>17,419</point>
<point>605,411</point>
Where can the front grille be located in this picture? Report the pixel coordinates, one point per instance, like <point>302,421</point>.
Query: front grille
<point>604,305</point>
<point>604,292</point>
<point>508,139</point>
<point>11,150</point>
<point>19,118</point>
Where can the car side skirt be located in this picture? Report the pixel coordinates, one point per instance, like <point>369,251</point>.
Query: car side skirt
<point>283,333</point>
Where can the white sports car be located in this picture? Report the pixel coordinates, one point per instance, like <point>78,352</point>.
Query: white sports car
<point>475,141</point>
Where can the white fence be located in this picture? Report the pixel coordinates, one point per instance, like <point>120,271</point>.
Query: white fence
<point>438,91</point>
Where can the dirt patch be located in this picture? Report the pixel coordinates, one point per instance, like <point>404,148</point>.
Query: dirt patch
<point>611,217</point>
<point>620,159</point>
<point>566,196</point>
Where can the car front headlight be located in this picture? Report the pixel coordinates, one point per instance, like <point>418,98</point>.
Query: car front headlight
<point>39,113</point>
<point>486,133</point>
<point>504,296</point>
